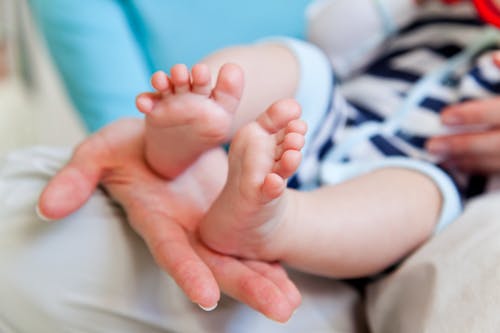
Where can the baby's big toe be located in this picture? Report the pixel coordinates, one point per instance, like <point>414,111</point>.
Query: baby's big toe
<point>229,87</point>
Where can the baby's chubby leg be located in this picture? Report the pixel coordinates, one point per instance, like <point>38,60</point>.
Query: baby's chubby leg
<point>352,229</point>
<point>254,203</point>
<point>187,115</point>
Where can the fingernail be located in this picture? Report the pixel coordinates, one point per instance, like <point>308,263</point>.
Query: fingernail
<point>208,309</point>
<point>438,147</point>
<point>41,216</point>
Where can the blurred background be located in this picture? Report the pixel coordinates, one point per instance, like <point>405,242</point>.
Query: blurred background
<point>34,108</point>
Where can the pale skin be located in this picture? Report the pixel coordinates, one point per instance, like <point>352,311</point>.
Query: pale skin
<point>218,226</point>
<point>114,159</point>
<point>364,244</point>
<point>166,214</point>
<point>255,216</point>
<point>474,152</point>
<point>471,152</point>
<point>195,116</point>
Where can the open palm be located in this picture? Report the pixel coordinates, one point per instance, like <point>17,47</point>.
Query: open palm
<point>166,213</point>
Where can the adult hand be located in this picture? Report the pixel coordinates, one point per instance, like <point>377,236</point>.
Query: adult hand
<point>471,151</point>
<point>166,213</point>
<point>475,151</point>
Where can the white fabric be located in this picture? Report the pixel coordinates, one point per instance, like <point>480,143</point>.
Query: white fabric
<point>451,284</point>
<point>351,32</point>
<point>317,93</point>
<point>91,273</point>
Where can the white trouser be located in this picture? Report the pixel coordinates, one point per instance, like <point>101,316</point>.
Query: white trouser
<point>91,273</point>
<point>451,285</point>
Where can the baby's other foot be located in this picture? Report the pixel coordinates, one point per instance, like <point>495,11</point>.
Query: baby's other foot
<point>187,115</point>
<point>253,205</point>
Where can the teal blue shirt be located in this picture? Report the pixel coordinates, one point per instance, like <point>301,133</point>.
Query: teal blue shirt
<point>107,50</point>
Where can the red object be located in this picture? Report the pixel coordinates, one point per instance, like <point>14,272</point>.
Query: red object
<point>488,11</point>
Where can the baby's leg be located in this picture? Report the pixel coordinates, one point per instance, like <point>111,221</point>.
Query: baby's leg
<point>352,229</point>
<point>188,116</point>
<point>253,204</point>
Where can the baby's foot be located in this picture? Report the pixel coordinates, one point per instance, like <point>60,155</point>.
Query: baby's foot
<point>187,117</point>
<point>253,204</point>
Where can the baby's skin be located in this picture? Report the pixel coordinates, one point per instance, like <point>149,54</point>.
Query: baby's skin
<point>187,117</point>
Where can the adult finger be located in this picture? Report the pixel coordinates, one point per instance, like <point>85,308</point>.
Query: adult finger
<point>248,285</point>
<point>474,112</point>
<point>277,274</point>
<point>172,250</point>
<point>468,144</point>
<point>481,164</point>
<point>73,185</point>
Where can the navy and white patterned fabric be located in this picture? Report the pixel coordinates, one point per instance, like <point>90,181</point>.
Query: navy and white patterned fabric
<point>391,107</point>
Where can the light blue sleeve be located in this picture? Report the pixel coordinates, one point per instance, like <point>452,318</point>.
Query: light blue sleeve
<point>97,56</point>
<point>185,31</point>
<point>106,50</point>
